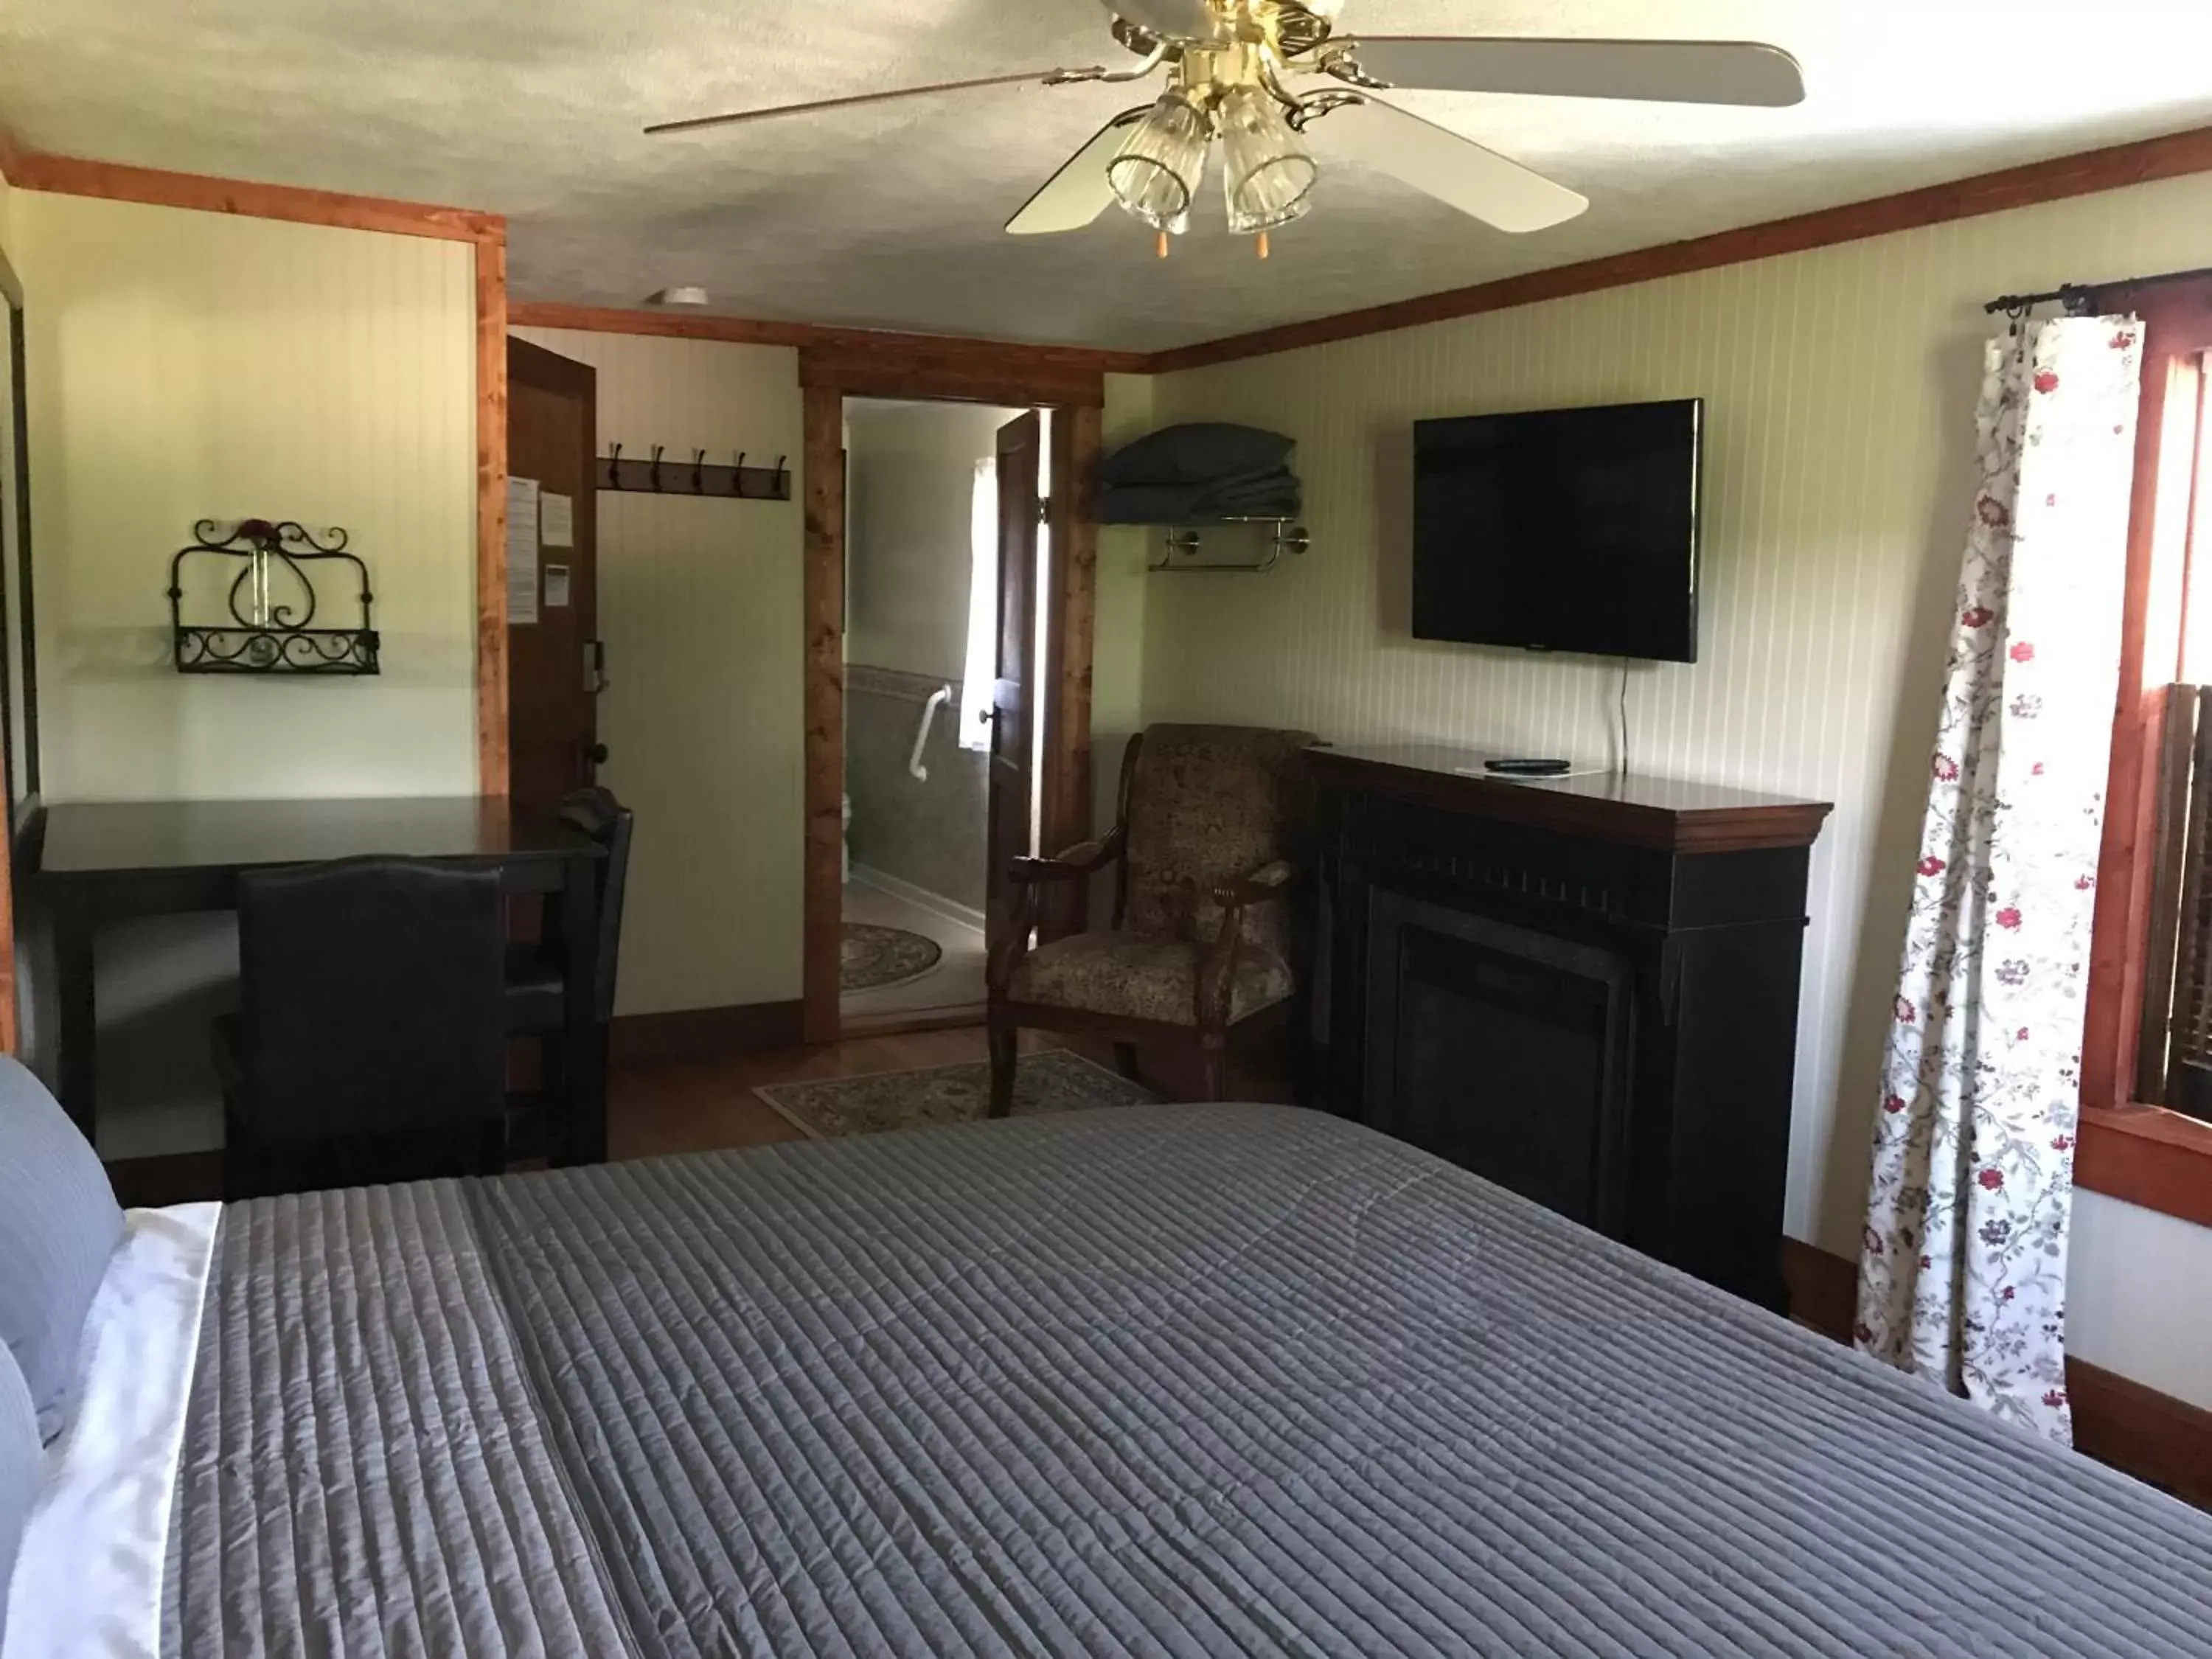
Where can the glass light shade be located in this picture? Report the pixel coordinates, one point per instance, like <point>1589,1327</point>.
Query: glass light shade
<point>1157,172</point>
<point>1268,172</point>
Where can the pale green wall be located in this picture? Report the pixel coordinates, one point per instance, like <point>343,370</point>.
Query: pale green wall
<point>186,366</point>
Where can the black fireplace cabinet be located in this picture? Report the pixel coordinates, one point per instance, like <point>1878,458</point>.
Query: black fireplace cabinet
<point>1584,988</point>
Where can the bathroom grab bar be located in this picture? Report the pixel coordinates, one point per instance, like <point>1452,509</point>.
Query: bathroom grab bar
<point>938,699</point>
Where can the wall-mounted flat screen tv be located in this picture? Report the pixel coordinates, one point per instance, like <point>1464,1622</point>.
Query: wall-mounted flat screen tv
<point>1561,530</point>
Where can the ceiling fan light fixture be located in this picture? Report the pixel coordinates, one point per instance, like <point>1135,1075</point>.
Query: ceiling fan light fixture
<point>1268,174</point>
<point>1157,172</point>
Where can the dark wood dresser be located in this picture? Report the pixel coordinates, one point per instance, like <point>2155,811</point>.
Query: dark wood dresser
<point>1584,988</point>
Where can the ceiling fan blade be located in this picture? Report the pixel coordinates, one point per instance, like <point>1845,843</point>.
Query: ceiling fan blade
<point>1672,71</point>
<point>694,123</point>
<point>1456,171</point>
<point>1079,192</point>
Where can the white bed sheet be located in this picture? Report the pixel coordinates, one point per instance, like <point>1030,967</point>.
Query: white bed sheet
<point>88,1581</point>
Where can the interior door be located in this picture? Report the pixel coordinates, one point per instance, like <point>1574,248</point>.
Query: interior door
<point>555,665</point>
<point>1021,444</point>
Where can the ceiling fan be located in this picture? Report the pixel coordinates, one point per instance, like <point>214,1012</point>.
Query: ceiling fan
<point>1230,63</point>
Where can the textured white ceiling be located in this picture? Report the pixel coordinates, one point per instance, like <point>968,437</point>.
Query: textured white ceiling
<point>891,216</point>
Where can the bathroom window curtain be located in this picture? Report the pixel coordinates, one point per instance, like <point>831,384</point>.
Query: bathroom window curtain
<point>979,677</point>
<point>1962,1272</point>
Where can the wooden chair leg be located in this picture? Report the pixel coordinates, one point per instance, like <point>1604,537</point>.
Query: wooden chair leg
<point>1124,1062</point>
<point>1002,1067</point>
<point>1213,1066</point>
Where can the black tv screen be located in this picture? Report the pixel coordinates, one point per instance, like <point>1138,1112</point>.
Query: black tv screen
<point>1561,530</point>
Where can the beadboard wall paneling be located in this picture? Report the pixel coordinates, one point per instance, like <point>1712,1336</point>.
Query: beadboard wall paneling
<point>1839,386</point>
<point>1117,659</point>
<point>699,600</point>
<point>185,365</point>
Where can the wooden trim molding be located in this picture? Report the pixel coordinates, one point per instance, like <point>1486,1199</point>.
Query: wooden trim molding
<point>705,1033</point>
<point>849,343</point>
<point>491,513</point>
<point>2146,1155</point>
<point>2161,1441</point>
<point>823,485</point>
<point>2172,156</point>
<point>67,175</point>
<point>1070,641</point>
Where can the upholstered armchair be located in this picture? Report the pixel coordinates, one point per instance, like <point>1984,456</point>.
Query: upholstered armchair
<point>1210,858</point>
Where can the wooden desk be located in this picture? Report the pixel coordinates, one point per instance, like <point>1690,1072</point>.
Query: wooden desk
<point>105,861</point>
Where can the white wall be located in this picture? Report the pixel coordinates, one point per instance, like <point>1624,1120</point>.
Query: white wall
<point>910,470</point>
<point>700,604</point>
<point>1840,385</point>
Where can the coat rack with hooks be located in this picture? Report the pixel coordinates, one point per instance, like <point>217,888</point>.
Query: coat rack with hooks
<point>659,476</point>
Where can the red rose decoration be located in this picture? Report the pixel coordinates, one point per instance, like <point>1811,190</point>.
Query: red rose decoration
<point>1873,1241</point>
<point>2124,339</point>
<point>1992,511</point>
<point>2054,1397</point>
<point>2046,381</point>
<point>2024,652</point>
<point>1861,1334</point>
<point>1893,1103</point>
<point>1944,767</point>
<point>2021,1036</point>
<point>1991,1179</point>
<point>1979,617</point>
<point>2060,1143</point>
<point>2083,884</point>
<point>1931,866</point>
<point>2009,918</point>
<point>1904,1014</point>
<point>2006,1296</point>
<point>2036,770</point>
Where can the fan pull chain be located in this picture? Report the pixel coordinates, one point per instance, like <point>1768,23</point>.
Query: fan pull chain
<point>1163,245</point>
<point>1263,245</point>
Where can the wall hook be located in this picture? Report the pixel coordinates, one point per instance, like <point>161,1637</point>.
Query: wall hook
<point>653,472</point>
<point>698,472</point>
<point>782,478</point>
<point>738,475</point>
<point>614,466</point>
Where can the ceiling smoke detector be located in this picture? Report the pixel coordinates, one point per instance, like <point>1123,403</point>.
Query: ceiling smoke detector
<point>685,295</point>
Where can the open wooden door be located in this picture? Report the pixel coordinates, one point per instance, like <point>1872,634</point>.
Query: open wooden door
<point>554,665</point>
<point>1021,447</point>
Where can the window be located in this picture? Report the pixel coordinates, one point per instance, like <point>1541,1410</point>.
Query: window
<point>2147,1052</point>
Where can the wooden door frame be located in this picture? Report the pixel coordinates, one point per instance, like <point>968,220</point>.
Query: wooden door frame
<point>961,373</point>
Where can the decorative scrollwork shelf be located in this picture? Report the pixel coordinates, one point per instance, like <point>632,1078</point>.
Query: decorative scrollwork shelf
<point>272,601</point>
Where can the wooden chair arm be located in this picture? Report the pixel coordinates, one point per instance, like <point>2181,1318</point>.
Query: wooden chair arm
<point>1073,863</point>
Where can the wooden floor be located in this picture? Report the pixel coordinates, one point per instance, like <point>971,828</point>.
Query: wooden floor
<point>696,1106</point>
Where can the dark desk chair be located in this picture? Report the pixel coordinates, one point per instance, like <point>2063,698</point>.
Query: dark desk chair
<point>537,995</point>
<point>370,1043</point>
<point>537,992</point>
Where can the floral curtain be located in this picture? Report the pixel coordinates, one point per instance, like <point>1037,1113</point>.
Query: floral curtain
<point>1962,1276</point>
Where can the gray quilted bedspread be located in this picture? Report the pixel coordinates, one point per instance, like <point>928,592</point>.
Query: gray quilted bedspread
<point>1173,1380</point>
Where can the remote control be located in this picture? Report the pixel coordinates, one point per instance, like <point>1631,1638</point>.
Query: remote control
<point>1526,766</point>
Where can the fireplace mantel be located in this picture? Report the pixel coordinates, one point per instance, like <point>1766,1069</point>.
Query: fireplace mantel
<point>1625,950</point>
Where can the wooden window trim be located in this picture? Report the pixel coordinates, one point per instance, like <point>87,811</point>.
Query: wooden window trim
<point>2145,1154</point>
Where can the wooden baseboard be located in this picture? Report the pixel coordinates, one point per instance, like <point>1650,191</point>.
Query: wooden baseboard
<point>2161,1441</point>
<point>706,1033</point>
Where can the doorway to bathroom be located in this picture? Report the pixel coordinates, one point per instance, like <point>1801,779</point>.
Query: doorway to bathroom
<point>1036,714</point>
<point>923,595</point>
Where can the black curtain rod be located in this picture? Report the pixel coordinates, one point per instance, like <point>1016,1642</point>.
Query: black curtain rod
<point>2078,296</point>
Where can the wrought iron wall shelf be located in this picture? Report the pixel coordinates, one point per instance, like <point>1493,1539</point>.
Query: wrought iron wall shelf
<point>1184,541</point>
<point>272,601</point>
<point>659,476</point>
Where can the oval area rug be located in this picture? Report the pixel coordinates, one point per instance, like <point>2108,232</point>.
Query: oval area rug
<point>870,957</point>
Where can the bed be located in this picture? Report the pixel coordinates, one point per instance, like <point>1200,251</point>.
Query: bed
<point>1162,1380</point>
